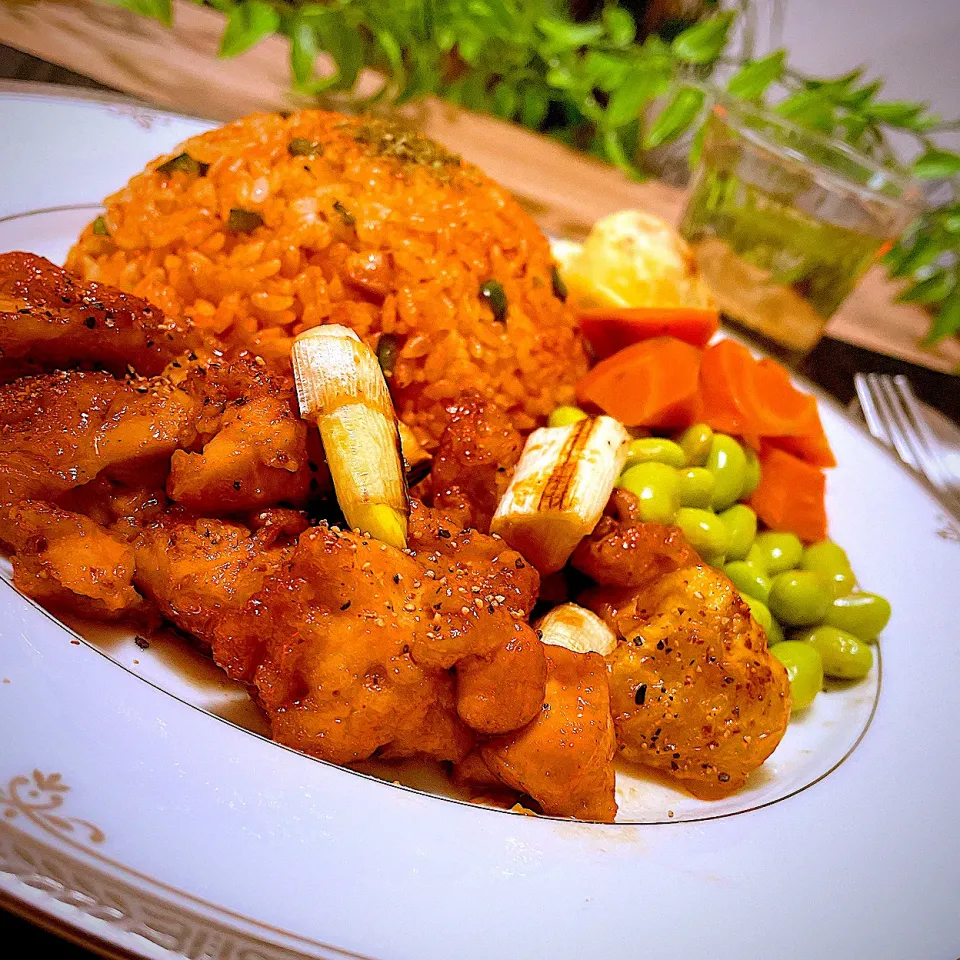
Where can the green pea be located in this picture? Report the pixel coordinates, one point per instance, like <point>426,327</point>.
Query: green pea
<point>748,579</point>
<point>753,473</point>
<point>564,416</point>
<point>799,598</point>
<point>696,487</point>
<point>695,442</point>
<point>655,450</point>
<point>741,523</point>
<point>843,655</point>
<point>774,632</point>
<point>757,556</point>
<point>704,531</point>
<point>759,610</point>
<point>804,670</point>
<point>778,551</point>
<point>830,561</point>
<point>728,463</point>
<point>656,487</point>
<point>862,614</point>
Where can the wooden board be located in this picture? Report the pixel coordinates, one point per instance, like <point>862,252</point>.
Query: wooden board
<point>563,190</point>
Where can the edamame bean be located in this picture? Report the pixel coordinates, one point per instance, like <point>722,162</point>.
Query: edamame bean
<point>843,655</point>
<point>564,416</point>
<point>804,670</point>
<point>757,556</point>
<point>741,524</point>
<point>830,561</point>
<point>704,531</point>
<point>748,579</point>
<point>778,551</point>
<point>696,487</point>
<point>655,485</point>
<point>799,598</point>
<point>753,473</point>
<point>759,610</point>
<point>655,450</point>
<point>695,442</point>
<point>728,463</point>
<point>862,614</point>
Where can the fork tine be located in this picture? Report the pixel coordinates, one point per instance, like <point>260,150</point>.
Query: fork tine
<point>927,445</point>
<point>890,410</point>
<point>868,405</point>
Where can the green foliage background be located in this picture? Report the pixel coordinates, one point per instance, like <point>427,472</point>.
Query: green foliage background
<point>601,89</point>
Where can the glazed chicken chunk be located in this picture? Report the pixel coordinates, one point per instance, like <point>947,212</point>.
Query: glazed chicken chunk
<point>694,691</point>
<point>50,319</point>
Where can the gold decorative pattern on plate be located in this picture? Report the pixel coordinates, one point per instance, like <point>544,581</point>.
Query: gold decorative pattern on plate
<point>37,797</point>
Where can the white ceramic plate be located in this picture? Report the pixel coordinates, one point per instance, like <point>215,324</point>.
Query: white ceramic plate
<point>140,806</point>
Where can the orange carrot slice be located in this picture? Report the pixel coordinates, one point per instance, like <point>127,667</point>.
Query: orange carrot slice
<point>610,329</point>
<point>790,496</point>
<point>653,384</point>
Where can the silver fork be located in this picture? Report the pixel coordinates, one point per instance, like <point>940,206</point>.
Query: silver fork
<point>894,416</point>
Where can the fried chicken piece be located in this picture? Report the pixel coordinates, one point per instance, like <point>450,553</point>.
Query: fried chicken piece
<point>66,562</point>
<point>60,430</point>
<point>695,693</point>
<point>564,758</point>
<point>327,641</point>
<point>503,690</point>
<point>473,462</point>
<point>256,450</point>
<point>51,319</point>
<point>258,457</point>
<point>197,571</point>
<point>623,551</point>
<point>124,510</point>
<point>476,586</point>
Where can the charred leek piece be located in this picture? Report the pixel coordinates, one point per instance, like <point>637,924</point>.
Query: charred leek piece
<point>577,629</point>
<point>341,388</point>
<point>560,487</point>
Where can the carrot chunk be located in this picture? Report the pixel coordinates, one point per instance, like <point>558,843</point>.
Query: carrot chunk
<point>654,383</point>
<point>790,495</point>
<point>610,329</point>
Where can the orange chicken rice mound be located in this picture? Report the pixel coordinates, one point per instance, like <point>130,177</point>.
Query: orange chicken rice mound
<point>272,225</point>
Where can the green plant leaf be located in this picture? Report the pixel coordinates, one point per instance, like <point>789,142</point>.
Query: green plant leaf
<point>303,51</point>
<point>809,108</point>
<point>921,253</point>
<point>605,70</point>
<point>504,100</point>
<point>637,90</point>
<point>621,30</point>
<point>897,113</point>
<point>931,289</point>
<point>247,24</point>
<point>161,10</point>
<point>676,117</point>
<point>566,35</point>
<point>937,164</point>
<point>751,81</point>
<point>614,151</point>
<point>946,322</point>
<point>704,41</point>
<point>533,106</point>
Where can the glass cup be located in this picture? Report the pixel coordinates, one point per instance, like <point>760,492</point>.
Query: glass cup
<point>784,222</point>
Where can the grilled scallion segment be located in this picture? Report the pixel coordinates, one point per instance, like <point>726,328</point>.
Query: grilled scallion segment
<point>341,388</point>
<point>577,629</point>
<point>560,487</point>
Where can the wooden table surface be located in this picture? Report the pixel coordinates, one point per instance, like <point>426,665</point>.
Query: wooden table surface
<point>564,192</point>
